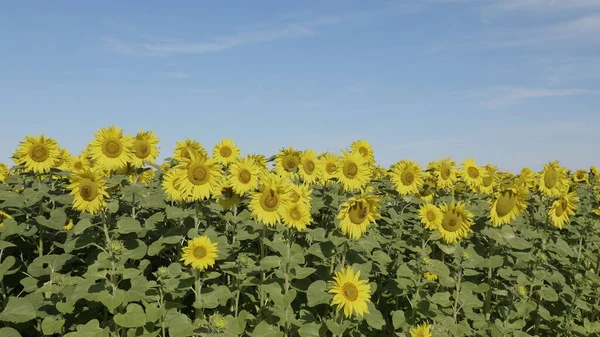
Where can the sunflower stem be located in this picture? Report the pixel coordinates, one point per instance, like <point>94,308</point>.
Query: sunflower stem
<point>198,292</point>
<point>457,292</point>
<point>290,236</point>
<point>262,272</point>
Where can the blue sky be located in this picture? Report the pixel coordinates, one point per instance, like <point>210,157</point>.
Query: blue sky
<point>509,82</point>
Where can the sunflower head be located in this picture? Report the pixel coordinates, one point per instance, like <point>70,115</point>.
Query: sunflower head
<point>353,171</point>
<point>562,208</point>
<point>456,222</point>
<point>296,215</point>
<point>358,213</point>
<point>507,205</point>
<point>184,150</point>
<point>553,180</point>
<point>350,292</point>
<point>37,154</point>
<point>422,330</point>
<point>580,176</point>
<point>4,172</point>
<point>329,165</point>
<point>273,194</point>
<point>472,173</point>
<point>110,149</point>
<point>431,216</point>
<point>287,162</point>
<point>365,149</point>
<point>407,177</point>
<point>88,191</point>
<point>4,216</point>
<point>226,152</point>
<point>199,178</point>
<point>445,172</point>
<point>145,148</point>
<point>309,168</point>
<point>429,276</point>
<point>226,196</point>
<point>200,253</point>
<point>244,175</point>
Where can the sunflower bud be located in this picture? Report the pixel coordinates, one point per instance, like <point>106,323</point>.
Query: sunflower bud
<point>466,255</point>
<point>218,322</point>
<point>243,259</point>
<point>543,257</point>
<point>426,260</point>
<point>522,291</point>
<point>116,247</point>
<point>162,272</point>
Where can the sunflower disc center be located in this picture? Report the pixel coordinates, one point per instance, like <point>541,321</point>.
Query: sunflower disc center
<point>350,291</point>
<point>505,204</point>
<point>244,176</point>
<point>198,175</point>
<point>112,148</point>
<point>88,191</point>
<point>142,149</point>
<point>39,153</point>
<point>445,172</point>
<point>430,215</point>
<point>451,222</point>
<point>407,178</point>
<point>200,252</point>
<point>225,151</point>
<point>350,170</point>
<point>270,201</point>
<point>330,168</point>
<point>358,213</point>
<point>295,197</point>
<point>309,166</point>
<point>551,178</point>
<point>295,214</point>
<point>473,172</point>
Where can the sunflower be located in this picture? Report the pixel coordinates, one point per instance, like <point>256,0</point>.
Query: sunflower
<point>456,222</point>
<point>145,177</point>
<point>244,175</point>
<point>527,178</point>
<point>4,216</point>
<point>227,197</point>
<point>64,160</point>
<point>472,173</point>
<point>562,208</point>
<point>184,149</point>
<point>309,169</point>
<point>594,170</point>
<point>553,180</point>
<point>507,205</point>
<point>407,177</point>
<point>261,162</point>
<point>365,149</point>
<point>300,194</point>
<point>3,172</point>
<point>171,184</point>
<point>329,164</point>
<point>423,330</point>
<point>200,253</point>
<point>430,276</point>
<point>350,292</point>
<point>88,191</point>
<point>596,211</point>
<point>431,216</point>
<point>273,195</point>
<point>80,163</point>
<point>378,173</point>
<point>199,177</point>
<point>580,176</point>
<point>357,213</point>
<point>287,162</point>
<point>490,180</point>
<point>110,149</point>
<point>296,215</point>
<point>37,153</point>
<point>68,226</point>
<point>226,152</point>
<point>445,173</point>
<point>145,148</point>
<point>352,171</point>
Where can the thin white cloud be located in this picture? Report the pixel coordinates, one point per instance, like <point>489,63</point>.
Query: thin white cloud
<point>497,97</point>
<point>292,30</point>
<point>179,75</point>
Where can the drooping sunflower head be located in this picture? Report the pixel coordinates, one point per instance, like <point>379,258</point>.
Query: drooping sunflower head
<point>429,276</point>
<point>171,184</point>
<point>594,170</point>
<point>200,253</point>
<point>353,171</point>
<point>426,191</point>
<point>365,149</point>
<point>309,168</point>
<point>350,292</point>
<point>266,203</point>
<point>296,215</point>
<point>260,161</point>
<point>110,149</point>
<point>445,173</point>
<point>226,152</point>
<point>226,197</point>
<point>38,154</point>
<point>143,177</point>
<point>562,208</point>
<point>422,330</point>
<point>407,177</point>
<point>4,216</point>
<point>300,194</point>
<point>200,178</point>
<point>184,150</point>
<point>580,176</point>
<point>456,222</point>
<point>490,179</point>
<point>357,213</point>
<point>4,172</point>
<point>64,161</point>
<point>244,175</point>
<point>553,180</point>
<point>287,162</point>
<point>329,165</point>
<point>431,216</point>
<point>88,191</point>
<point>68,226</point>
<point>472,173</point>
<point>526,178</point>
<point>507,205</point>
<point>145,148</point>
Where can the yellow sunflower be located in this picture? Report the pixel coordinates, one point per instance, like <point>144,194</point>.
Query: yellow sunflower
<point>596,211</point>
<point>145,148</point>
<point>145,177</point>
<point>490,180</point>
<point>562,209</point>
<point>445,173</point>
<point>200,253</point>
<point>185,149</point>
<point>64,161</point>
<point>430,276</point>
<point>261,162</point>
<point>329,165</point>
<point>110,149</point>
<point>3,172</point>
<point>365,149</point>
<point>527,178</point>
<point>80,163</point>
<point>300,194</point>
<point>309,168</point>
<point>4,216</point>
<point>580,176</point>
<point>296,215</point>
<point>171,184</point>
<point>350,292</point>
<point>423,330</point>
<point>244,175</point>
<point>353,171</point>
<point>456,222</point>
<point>594,170</point>
<point>472,173</point>
<point>199,177</point>
<point>507,205</point>
<point>226,152</point>
<point>426,191</point>
<point>357,213</point>
<point>407,177</point>
<point>287,162</point>
<point>431,216</point>
<point>266,203</point>
<point>553,180</point>
<point>37,153</point>
<point>68,226</point>
<point>88,191</point>
<point>227,197</point>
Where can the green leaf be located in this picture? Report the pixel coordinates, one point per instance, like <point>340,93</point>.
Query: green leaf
<point>442,299</point>
<point>301,273</point>
<point>6,244</point>
<point>81,226</point>
<point>9,332</point>
<point>317,293</point>
<point>374,317</point>
<point>52,325</point>
<point>548,294</point>
<point>270,262</point>
<point>398,319</point>
<point>127,225</point>
<point>178,324</point>
<point>134,317</point>
<point>264,329</point>
<point>5,266</point>
<point>18,310</point>
<point>519,243</point>
<point>495,261</point>
<point>310,330</point>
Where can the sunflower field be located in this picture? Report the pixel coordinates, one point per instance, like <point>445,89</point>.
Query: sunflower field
<point>111,242</point>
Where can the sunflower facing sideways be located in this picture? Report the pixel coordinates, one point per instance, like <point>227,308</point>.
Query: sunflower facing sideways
<point>445,173</point>
<point>472,174</point>
<point>490,180</point>
<point>110,149</point>
<point>296,215</point>
<point>88,191</point>
<point>407,177</point>
<point>64,161</point>
<point>357,214</point>
<point>4,172</point>
<point>309,169</point>
<point>350,292</point>
<point>265,204</point>
<point>226,152</point>
<point>226,197</point>
<point>580,176</point>
<point>353,171</point>
<point>300,194</point>
<point>171,184</point>
<point>507,205</point>
<point>562,209</point>
<point>526,178</point>
<point>37,153</point>
<point>456,222</point>
<point>329,164</point>
<point>200,253</point>
<point>199,177</point>
<point>287,162</point>
<point>186,148</point>
<point>243,175</point>
<point>431,216</point>
<point>145,148</point>
<point>553,180</point>
<point>365,149</point>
